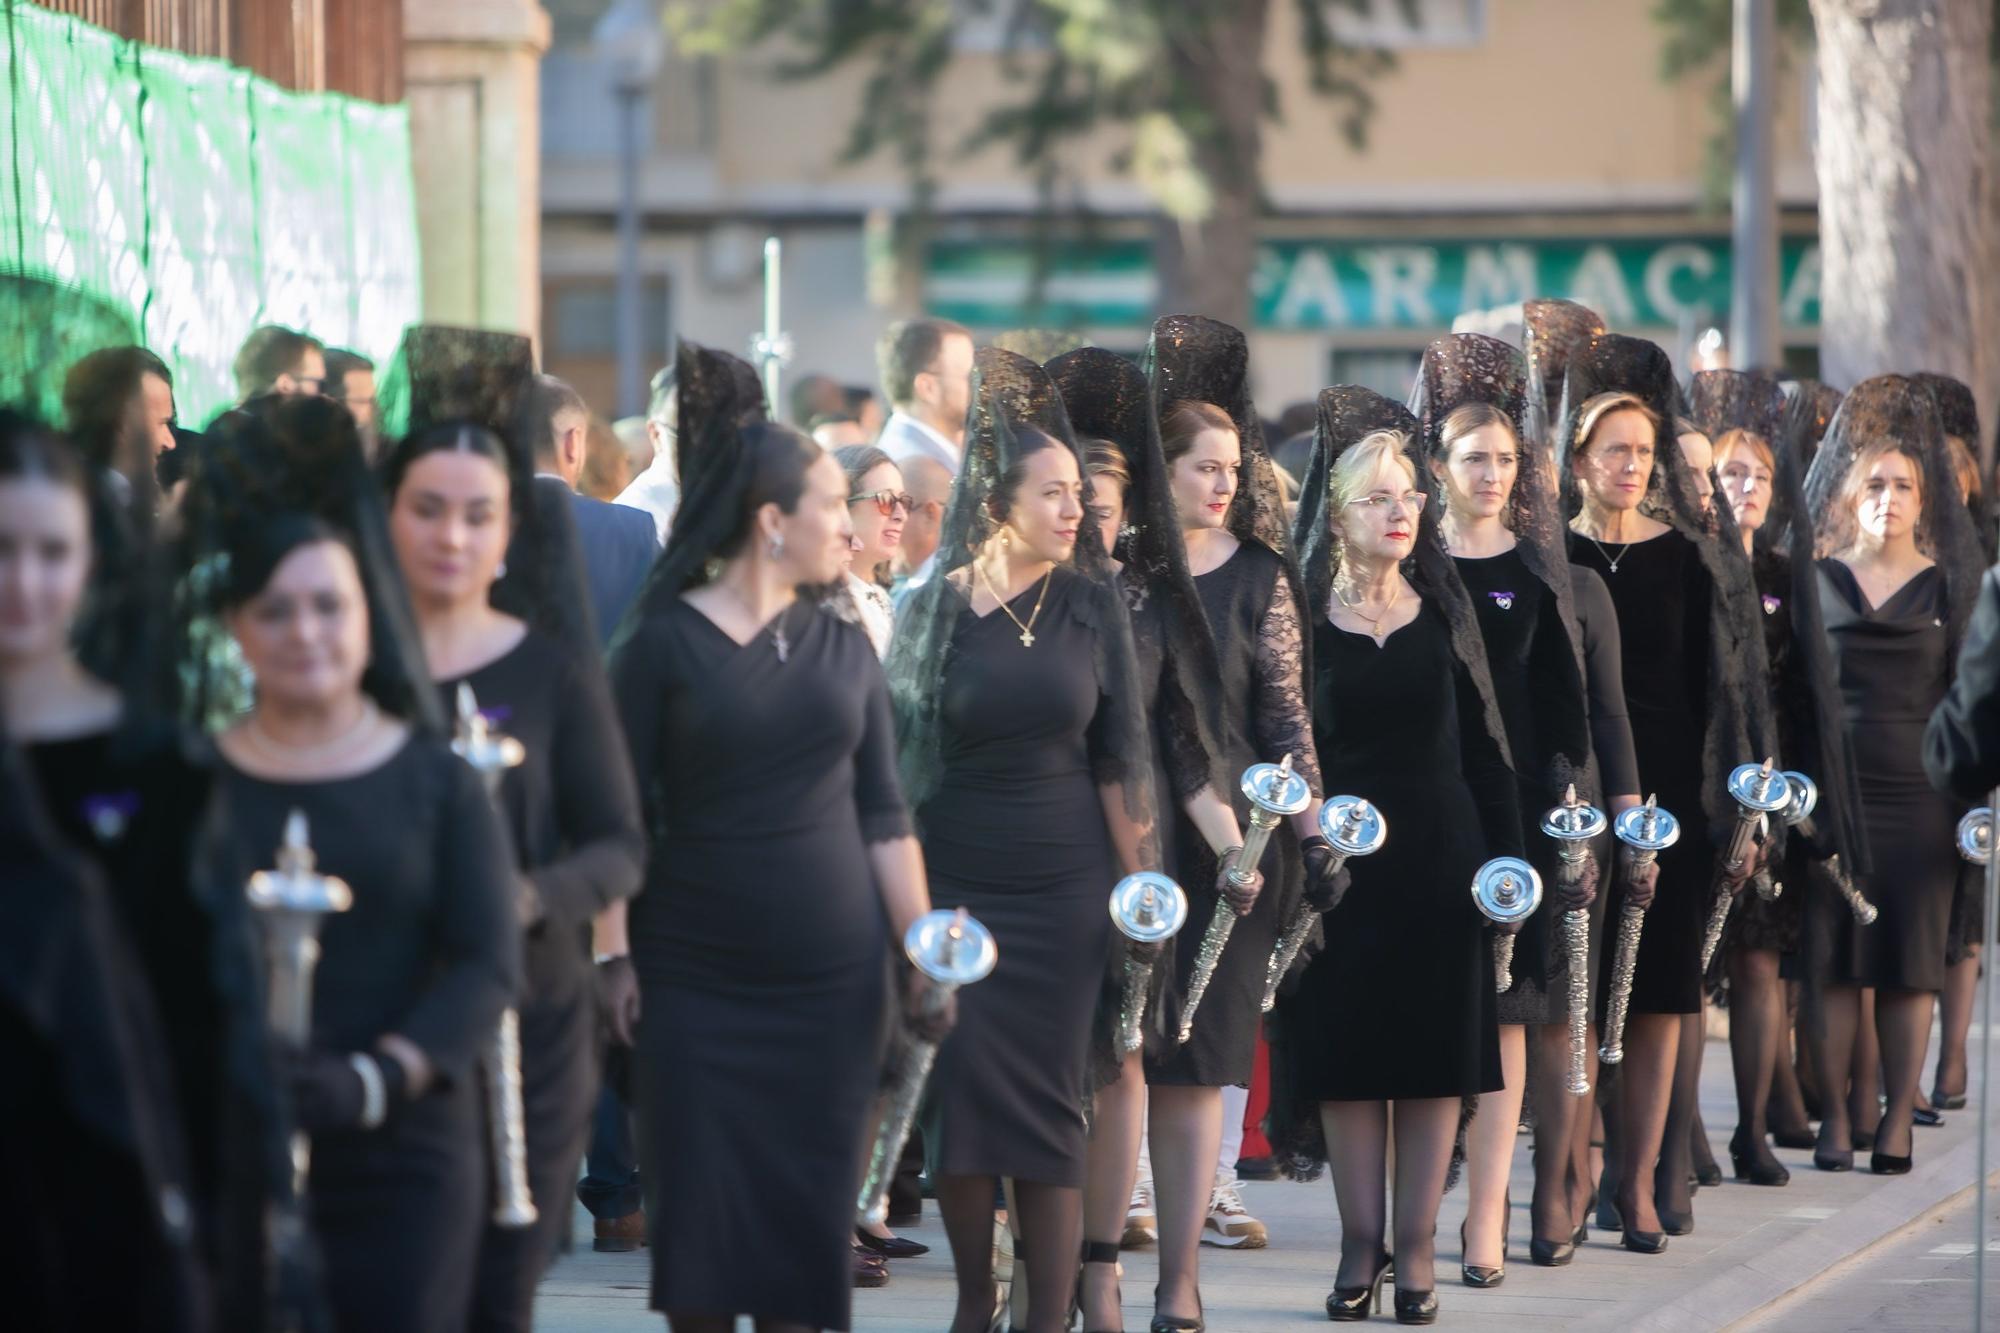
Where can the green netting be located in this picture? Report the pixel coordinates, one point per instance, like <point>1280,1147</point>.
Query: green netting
<point>196,199</point>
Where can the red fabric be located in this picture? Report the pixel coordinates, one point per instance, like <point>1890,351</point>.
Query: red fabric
<point>1254,1142</point>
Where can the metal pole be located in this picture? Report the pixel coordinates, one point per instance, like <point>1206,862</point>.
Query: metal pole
<point>1753,304</point>
<point>774,351</point>
<point>1985,1080</point>
<point>631,373</point>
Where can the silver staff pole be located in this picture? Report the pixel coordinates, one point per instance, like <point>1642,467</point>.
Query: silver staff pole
<point>771,350</point>
<point>1992,894</point>
<point>1798,814</point>
<point>491,754</point>
<point>291,902</point>
<point>1648,831</point>
<point>953,950</point>
<point>1147,908</point>
<point>1505,890</point>
<point>1352,827</point>
<point>1759,791</point>
<point>1275,792</point>
<point>1575,825</point>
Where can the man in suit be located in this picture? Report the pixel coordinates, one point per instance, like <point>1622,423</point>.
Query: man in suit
<point>617,542</point>
<point>926,367</point>
<point>657,489</point>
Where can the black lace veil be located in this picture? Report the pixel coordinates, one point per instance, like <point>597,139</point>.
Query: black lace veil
<point>1740,726</point>
<point>1012,395</point>
<point>714,387</point>
<point>1553,332</point>
<point>274,459</point>
<point>1899,408</point>
<point>1958,414</point>
<point>1106,396</point>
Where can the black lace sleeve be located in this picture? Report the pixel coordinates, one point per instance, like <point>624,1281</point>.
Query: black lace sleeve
<point>1555,690</point>
<point>1284,719</point>
<point>1176,722</point>
<point>1604,665</point>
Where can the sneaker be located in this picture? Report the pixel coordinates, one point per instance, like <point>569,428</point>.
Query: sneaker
<point>1229,1224</point>
<point>1142,1228</point>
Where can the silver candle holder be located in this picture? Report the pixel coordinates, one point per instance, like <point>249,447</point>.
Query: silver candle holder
<point>1575,825</point>
<point>1147,908</point>
<point>1648,831</point>
<point>1505,890</point>
<point>1352,827</point>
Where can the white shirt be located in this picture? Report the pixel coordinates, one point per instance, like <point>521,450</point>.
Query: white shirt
<point>878,619</point>
<point>903,435</point>
<point>656,492</point>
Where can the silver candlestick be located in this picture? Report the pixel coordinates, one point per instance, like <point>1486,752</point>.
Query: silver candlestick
<point>1799,815</point>
<point>1648,831</point>
<point>1575,825</point>
<point>1759,791</point>
<point>491,754</point>
<point>291,902</point>
<point>1275,792</point>
<point>1147,908</point>
<point>953,950</point>
<point>1505,890</point>
<point>1352,827</point>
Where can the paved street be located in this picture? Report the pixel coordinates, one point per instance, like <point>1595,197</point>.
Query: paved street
<point>1750,1248</point>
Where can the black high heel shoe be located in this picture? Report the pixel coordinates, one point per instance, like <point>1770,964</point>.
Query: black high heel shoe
<point>1945,1101</point>
<point>1094,1252</point>
<point>1168,1323</point>
<point>1750,1169</point>
<point>1643,1242</point>
<point>1479,1275</point>
<point>1349,1305</point>
<point>1416,1307</point>
<point>1884,1164</point>
<point>1551,1253</point>
<point>1794,1138</point>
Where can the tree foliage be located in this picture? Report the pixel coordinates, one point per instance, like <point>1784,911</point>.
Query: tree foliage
<point>1073,68</point>
<point>1698,39</point>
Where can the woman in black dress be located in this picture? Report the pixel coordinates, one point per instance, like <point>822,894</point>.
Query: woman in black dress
<point>782,867</point>
<point>1109,402</point>
<point>460,501</point>
<point>1405,716</point>
<point>1231,516</point>
<point>1679,630</point>
<point>412,980</point>
<point>1958,415</point>
<point>1898,571</point>
<point>1025,759</point>
<point>117,1075</point>
<point>1759,471</point>
<point>1499,521</point>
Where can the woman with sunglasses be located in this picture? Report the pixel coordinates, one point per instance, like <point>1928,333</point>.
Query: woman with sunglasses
<point>877,506</point>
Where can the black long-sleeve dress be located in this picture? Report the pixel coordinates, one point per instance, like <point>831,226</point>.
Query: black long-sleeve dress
<point>1016,834</point>
<point>573,815</point>
<point>1401,1003</point>
<point>761,948</point>
<point>430,951</point>
<point>1756,923</point>
<point>1962,748</point>
<point>1894,670</point>
<point>1610,726</point>
<point>1259,714</point>
<point>1662,593</point>
<point>1541,697</point>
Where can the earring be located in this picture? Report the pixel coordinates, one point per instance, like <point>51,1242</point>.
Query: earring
<point>1006,537</point>
<point>500,570</point>
<point>776,545</point>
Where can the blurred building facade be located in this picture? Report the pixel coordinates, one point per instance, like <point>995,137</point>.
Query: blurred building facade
<point>1519,148</point>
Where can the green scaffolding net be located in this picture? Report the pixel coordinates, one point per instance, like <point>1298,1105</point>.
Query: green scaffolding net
<point>193,200</point>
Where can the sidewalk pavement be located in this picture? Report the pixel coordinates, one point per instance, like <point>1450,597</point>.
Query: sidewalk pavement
<point>1751,1247</point>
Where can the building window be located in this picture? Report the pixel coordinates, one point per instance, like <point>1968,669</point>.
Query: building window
<point>1388,371</point>
<point>1388,24</point>
<point>582,321</point>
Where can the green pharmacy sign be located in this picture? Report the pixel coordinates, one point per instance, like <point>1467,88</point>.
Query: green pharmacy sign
<point>1371,285</point>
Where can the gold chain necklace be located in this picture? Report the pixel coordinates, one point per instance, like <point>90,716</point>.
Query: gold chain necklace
<point>1374,622</point>
<point>1028,629</point>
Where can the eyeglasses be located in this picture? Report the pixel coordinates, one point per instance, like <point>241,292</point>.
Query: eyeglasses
<point>1380,504</point>
<point>888,501</point>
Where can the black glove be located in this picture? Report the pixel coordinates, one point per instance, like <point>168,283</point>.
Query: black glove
<point>925,1018</point>
<point>327,1091</point>
<point>1240,897</point>
<point>1326,882</point>
<point>1639,883</point>
<point>618,998</point>
<point>1579,896</point>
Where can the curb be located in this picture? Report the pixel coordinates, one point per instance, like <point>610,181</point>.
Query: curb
<point>1764,1279</point>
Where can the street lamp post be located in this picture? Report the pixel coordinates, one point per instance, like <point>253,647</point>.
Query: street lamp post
<point>629,40</point>
<point>1753,305</point>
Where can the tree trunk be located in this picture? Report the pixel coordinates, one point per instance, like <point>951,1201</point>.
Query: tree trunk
<point>1906,191</point>
<point>1204,267</point>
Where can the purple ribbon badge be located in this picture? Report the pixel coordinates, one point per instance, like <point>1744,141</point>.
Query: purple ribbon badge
<point>496,716</point>
<point>1503,599</point>
<point>1771,604</point>
<point>109,812</point>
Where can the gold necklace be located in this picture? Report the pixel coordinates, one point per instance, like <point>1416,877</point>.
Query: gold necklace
<point>1374,622</point>
<point>260,737</point>
<point>1028,629</point>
